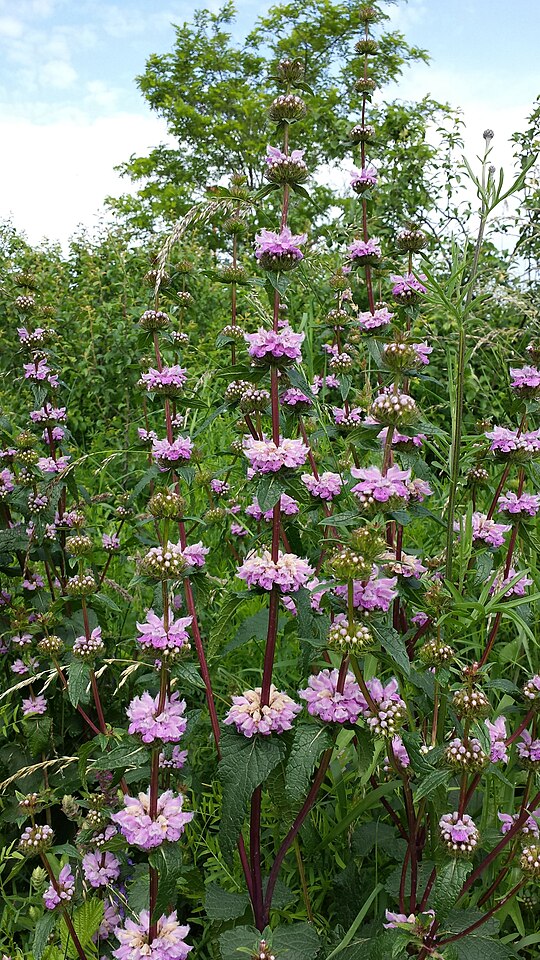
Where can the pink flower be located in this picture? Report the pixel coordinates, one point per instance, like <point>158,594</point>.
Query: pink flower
<point>168,725</point>
<point>219,487</point>
<point>278,244</point>
<point>174,760</point>
<point>361,250</point>
<point>162,380</point>
<point>34,706</point>
<point>168,944</point>
<point>112,918</point>
<point>390,707</point>
<point>100,868</point>
<point>422,351</point>
<point>504,441</point>
<point>487,530</point>
<point>165,453</point>
<point>377,594</point>
<point>22,639</point>
<point>525,378</point>
<point>364,178</point>
<point>327,486</point>
<point>529,828</point>
<point>518,589</point>
<point>529,749</point>
<point>421,925</point>
<point>153,633</point>
<point>6,482</point>
<point>110,542</point>
<point>497,737</point>
<point>379,318</point>
<point>50,465</point>
<point>289,573</point>
<point>265,457</point>
<point>249,717</point>
<point>419,490</point>
<point>458,833</point>
<point>294,397</point>
<point>324,701</point>
<point>400,754</point>
<point>526,503</point>
<point>65,888</point>
<point>330,382</point>
<point>374,486</point>
<point>407,286</point>
<point>269,345</point>
<point>347,418</point>
<point>420,619</point>
<point>141,831</point>
<point>276,155</point>
<point>195,555</point>
<point>287,505</point>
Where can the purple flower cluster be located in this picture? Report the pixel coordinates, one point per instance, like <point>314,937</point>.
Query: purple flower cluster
<point>529,828</point>
<point>327,486</point>
<point>269,345</point>
<point>525,503</point>
<point>497,737</point>
<point>363,179</point>
<point>380,317</point>
<point>529,750</point>
<point>100,868</point>
<point>266,457</point>
<point>376,594</point>
<point>166,453</point>
<point>376,487</point>
<point>64,890</point>
<point>459,834</point>
<point>525,379</point>
<point>138,827</point>
<point>390,707</point>
<point>6,482</point>
<point>324,701</point>
<point>167,725</point>
<point>249,717</point>
<point>279,244</point>
<point>361,251</point>
<point>168,944</point>
<point>289,572</point>
<point>407,286</point>
<point>153,633</point>
<point>518,588</point>
<point>509,442</point>
<point>34,706</point>
<point>168,378</point>
<point>293,397</point>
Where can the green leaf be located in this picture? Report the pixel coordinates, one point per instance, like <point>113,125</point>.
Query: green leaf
<point>394,646</point>
<point>130,754</point>
<point>309,741</point>
<point>245,765</point>
<point>268,492</point>
<point>78,682</point>
<point>239,943</point>
<point>295,941</point>
<point>222,905</point>
<point>86,922</point>
<point>189,675</point>
<point>44,928</point>
<point>167,860</point>
<point>254,627</point>
<point>450,879</point>
<point>431,783</point>
<point>12,540</point>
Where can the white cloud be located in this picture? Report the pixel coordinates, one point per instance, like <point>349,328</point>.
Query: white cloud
<point>11,27</point>
<point>58,74</point>
<point>66,187</point>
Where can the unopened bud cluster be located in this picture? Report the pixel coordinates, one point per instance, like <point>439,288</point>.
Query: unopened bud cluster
<point>470,703</point>
<point>530,860</point>
<point>394,409</point>
<point>162,563</point>
<point>347,637</point>
<point>154,320</point>
<point>81,585</point>
<point>347,564</point>
<point>51,645</point>
<point>166,505</point>
<point>79,545</point>
<point>288,107</point>
<point>435,652</point>
<point>466,755</point>
<point>36,839</point>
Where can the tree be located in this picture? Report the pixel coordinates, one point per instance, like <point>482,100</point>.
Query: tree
<point>213,94</point>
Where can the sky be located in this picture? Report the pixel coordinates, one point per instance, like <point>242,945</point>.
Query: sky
<point>70,109</point>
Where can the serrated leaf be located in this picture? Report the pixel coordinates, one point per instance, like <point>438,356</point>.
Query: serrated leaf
<point>450,878</point>
<point>189,675</point>
<point>222,905</point>
<point>78,682</point>
<point>268,491</point>
<point>394,646</point>
<point>44,928</point>
<point>130,754</point>
<point>167,860</point>
<point>431,783</point>
<point>238,943</point>
<point>308,743</point>
<point>295,941</point>
<point>86,922</point>
<point>245,765</point>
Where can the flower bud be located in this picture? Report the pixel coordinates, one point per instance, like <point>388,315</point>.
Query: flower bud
<point>81,585</point>
<point>394,409</point>
<point>79,545</point>
<point>162,563</point>
<point>233,332</point>
<point>530,860</point>
<point>435,652</point>
<point>366,46</point>
<point>166,505</point>
<point>346,564</point>
<point>253,401</point>
<point>350,638</point>
<point>51,645</point>
<point>70,807</point>
<point>471,703</point>
<point>411,240</point>
<point>151,277</point>
<point>38,878</point>
<point>154,320</point>
<point>365,85</point>
<point>287,107</point>
<point>263,952</point>
<point>25,303</point>
<point>290,71</point>
<point>362,133</point>
<point>36,839</point>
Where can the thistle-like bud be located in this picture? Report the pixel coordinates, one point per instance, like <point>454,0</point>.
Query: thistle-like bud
<point>286,170</point>
<point>232,274</point>
<point>154,320</point>
<point>253,400</point>
<point>235,226</point>
<point>167,505</point>
<point>124,508</point>
<point>184,299</point>
<point>89,648</point>
<point>366,46</point>
<point>365,85</point>
<point>79,545</point>
<point>70,807</point>
<point>368,14</point>
<point>36,839</point>
<point>346,564</point>
<point>399,355</point>
<point>337,318</point>
<point>411,240</point>
<point>466,755</point>
<point>37,503</point>
<point>25,279</point>
<point>530,860</point>
<point>263,952</point>
<point>161,563</point>
<point>362,133</point>
<point>25,440</point>
<point>51,645</point>
<point>350,638</point>
<point>435,652</point>
<point>216,515</point>
<point>38,878</point>
<point>394,409</point>
<point>81,585</point>
<point>477,476</point>
<point>151,276</point>
<point>290,71</point>
<point>368,542</point>
<point>341,362</point>
<point>233,332</point>
<point>30,803</point>
<point>25,303</point>
<point>236,389</point>
<point>471,703</point>
<point>531,690</point>
<point>287,107</point>
<point>180,339</point>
